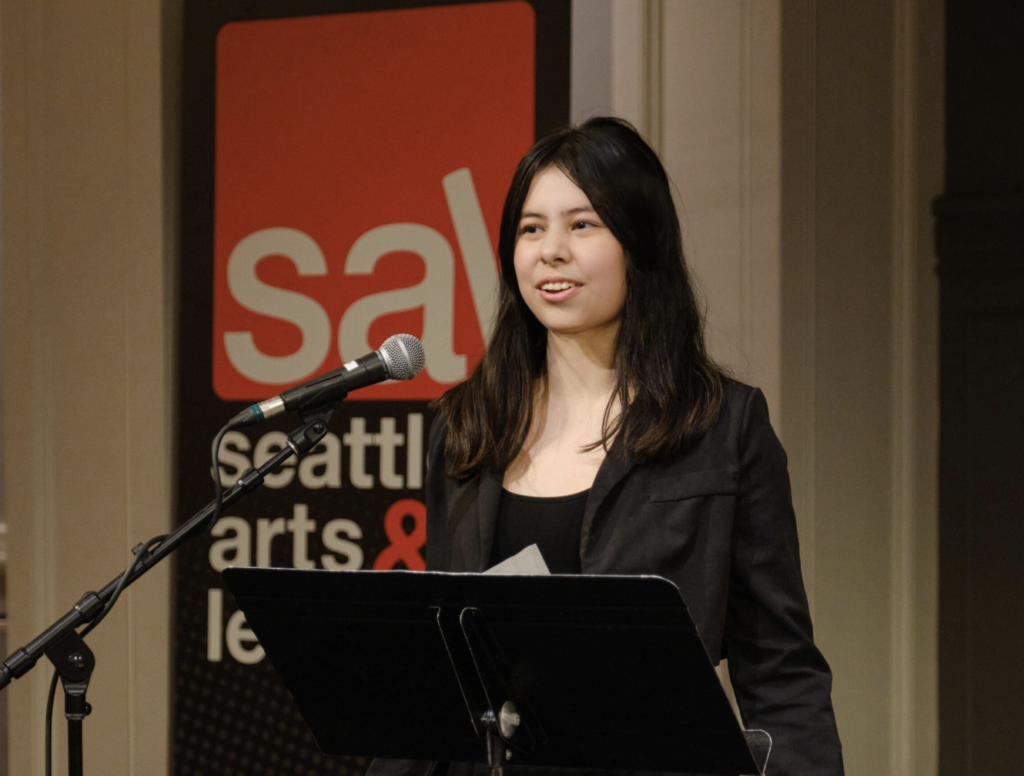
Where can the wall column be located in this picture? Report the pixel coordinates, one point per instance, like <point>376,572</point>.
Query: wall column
<point>88,175</point>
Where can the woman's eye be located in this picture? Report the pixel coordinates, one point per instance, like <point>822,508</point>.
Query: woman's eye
<point>529,229</point>
<point>583,225</point>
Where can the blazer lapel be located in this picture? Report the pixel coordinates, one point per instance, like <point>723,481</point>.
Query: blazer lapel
<point>615,466</point>
<point>488,497</point>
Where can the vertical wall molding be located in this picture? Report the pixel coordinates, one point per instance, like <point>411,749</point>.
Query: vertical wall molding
<point>799,282</point>
<point>903,760</point>
<point>652,56</point>
<point>637,31</point>
<point>746,132</point>
<point>810,321</point>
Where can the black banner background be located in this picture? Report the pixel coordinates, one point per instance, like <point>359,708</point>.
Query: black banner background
<point>232,717</point>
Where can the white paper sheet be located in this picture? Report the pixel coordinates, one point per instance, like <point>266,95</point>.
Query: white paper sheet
<point>528,562</point>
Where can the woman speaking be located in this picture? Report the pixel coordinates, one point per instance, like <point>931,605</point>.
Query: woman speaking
<point>597,427</point>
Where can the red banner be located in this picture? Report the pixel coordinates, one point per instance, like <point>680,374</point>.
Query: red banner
<point>356,158</point>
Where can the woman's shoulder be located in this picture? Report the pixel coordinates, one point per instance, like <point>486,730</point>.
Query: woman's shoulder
<point>438,430</point>
<point>746,427</point>
<point>742,419</point>
<point>742,403</point>
<point>736,390</point>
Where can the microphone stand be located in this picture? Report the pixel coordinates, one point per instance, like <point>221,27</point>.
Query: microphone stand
<point>62,643</point>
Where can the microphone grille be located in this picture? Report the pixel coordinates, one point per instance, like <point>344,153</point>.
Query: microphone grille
<point>404,356</point>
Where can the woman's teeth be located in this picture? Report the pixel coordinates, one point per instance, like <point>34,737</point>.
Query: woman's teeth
<point>556,286</point>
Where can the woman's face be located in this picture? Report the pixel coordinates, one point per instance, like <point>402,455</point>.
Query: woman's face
<point>570,267</point>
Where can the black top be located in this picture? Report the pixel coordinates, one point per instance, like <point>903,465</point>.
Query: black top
<point>553,523</point>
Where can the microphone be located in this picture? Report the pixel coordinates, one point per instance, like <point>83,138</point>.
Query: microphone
<point>401,357</point>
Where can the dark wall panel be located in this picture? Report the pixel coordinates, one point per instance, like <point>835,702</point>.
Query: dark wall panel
<point>980,242</point>
<point>985,94</point>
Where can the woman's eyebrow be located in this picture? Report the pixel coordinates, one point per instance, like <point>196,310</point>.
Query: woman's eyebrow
<point>571,212</point>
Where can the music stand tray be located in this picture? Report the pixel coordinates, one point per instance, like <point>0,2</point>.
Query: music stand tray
<point>576,671</point>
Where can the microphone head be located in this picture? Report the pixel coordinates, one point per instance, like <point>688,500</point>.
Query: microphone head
<point>403,354</point>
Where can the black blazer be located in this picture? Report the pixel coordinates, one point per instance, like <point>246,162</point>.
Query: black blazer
<point>717,520</point>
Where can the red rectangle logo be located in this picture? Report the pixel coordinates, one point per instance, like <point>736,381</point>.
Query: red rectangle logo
<point>362,161</point>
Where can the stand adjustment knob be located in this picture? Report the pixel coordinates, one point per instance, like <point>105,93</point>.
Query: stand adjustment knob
<point>508,720</point>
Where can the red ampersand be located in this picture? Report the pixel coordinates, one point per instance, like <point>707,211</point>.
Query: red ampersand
<point>404,546</point>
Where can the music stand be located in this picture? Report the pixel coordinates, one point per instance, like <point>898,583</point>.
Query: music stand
<point>575,671</point>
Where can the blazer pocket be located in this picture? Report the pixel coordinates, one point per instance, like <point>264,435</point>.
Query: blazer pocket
<point>711,482</point>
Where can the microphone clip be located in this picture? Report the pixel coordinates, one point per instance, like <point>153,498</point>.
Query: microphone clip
<point>316,421</point>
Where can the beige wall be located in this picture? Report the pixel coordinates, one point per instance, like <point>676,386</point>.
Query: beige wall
<point>86,250</point>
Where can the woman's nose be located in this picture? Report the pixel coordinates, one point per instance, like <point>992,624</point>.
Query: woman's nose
<point>554,248</point>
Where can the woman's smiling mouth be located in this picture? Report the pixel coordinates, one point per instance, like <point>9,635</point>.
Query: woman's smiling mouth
<point>557,290</point>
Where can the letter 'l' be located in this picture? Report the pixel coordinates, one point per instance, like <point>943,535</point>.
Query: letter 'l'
<point>474,244</point>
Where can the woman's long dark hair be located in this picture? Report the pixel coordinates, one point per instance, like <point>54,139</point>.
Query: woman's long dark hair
<point>668,388</point>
